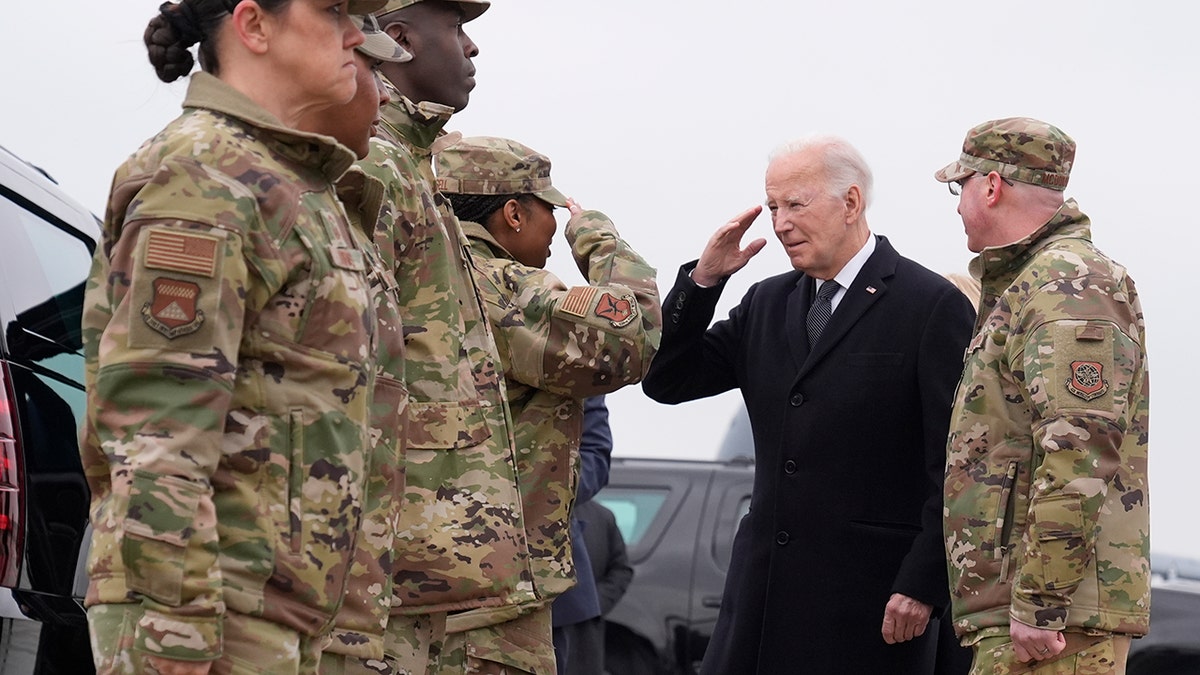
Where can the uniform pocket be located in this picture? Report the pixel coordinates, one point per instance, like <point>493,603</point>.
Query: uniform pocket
<point>158,523</point>
<point>1058,529</point>
<point>447,426</point>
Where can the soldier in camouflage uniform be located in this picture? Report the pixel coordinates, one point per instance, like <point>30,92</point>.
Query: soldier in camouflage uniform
<point>230,337</point>
<point>356,645</point>
<point>1047,513</point>
<point>461,541</point>
<point>558,345</point>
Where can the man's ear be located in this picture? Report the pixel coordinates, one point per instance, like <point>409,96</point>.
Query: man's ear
<point>854,203</point>
<point>400,31</point>
<point>252,26</point>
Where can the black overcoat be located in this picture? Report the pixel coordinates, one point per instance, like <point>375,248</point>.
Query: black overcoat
<point>849,444</point>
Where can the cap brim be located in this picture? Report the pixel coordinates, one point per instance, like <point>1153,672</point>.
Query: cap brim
<point>553,196</point>
<point>952,172</point>
<point>473,8</point>
<point>366,6</point>
<point>380,46</point>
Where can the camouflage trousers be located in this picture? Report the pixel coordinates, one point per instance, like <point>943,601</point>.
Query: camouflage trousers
<point>522,646</point>
<point>250,646</point>
<point>1083,655</point>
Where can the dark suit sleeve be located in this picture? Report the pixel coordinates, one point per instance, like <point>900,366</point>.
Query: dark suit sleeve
<point>693,361</point>
<point>595,449</point>
<point>939,362</point>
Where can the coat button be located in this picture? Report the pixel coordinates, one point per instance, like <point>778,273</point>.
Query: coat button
<point>782,538</point>
<point>797,400</point>
<point>679,300</point>
<point>789,467</point>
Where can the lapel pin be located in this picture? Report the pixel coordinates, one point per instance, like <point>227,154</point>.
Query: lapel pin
<point>870,289</point>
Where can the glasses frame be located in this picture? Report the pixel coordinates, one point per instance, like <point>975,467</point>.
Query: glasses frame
<point>956,186</point>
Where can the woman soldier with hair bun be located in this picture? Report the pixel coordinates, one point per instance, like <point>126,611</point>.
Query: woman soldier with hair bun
<point>230,335</point>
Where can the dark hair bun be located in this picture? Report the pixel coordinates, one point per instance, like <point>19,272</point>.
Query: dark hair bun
<point>167,38</point>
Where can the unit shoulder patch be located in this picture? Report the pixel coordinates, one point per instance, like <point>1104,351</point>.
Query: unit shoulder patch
<point>1087,380</point>
<point>173,310</point>
<point>619,310</point>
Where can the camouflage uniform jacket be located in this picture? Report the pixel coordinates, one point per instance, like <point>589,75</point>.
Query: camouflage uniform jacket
<point>1047,514</point>
<point>559,346</point>
<point>362,620</point>
<point>461,542</point>
<point>229,335</point>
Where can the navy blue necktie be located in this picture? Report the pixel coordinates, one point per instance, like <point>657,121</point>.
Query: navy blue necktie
<point>821,310</point>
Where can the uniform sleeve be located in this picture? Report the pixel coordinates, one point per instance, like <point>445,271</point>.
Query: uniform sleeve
<point>695,360</point>
<point>164,374</point>
<point>586,340</point>
<point>1081,375</point>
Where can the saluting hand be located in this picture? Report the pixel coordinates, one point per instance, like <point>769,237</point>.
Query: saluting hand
<point>724,255</point>
<point>904,619</point>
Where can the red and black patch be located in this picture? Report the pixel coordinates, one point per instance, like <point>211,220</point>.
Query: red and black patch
<point>618,310</point>
<point>1087,380</point>
<point>173,310</point>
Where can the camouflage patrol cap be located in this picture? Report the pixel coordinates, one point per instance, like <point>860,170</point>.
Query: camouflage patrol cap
<point>486,165</point>
<point>471,8</point>
<point>1020,148</point>
<point>378,45</point>
<point>359,6</point>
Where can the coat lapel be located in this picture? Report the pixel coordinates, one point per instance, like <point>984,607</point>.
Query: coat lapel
<point>797,316</point>
<point>867,289</point>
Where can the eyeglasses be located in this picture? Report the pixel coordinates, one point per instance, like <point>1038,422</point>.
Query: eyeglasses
<point>956,186</point>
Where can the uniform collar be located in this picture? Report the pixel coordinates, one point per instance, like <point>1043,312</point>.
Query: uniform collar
<point>416,124</point>
<point>477,232</point>
<point>318,152</point>
<point>1066,223</point>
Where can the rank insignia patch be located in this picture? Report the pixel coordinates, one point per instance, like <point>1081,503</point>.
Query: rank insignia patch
<point>1087,380</point>
<point>619,310</point>
<point>173,311</point>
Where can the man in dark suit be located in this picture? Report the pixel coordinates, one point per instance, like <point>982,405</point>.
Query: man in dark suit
<point>847,365</point>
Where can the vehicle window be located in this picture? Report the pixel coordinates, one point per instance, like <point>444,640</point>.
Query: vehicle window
<point>43,269</point>
<point>634,509</point>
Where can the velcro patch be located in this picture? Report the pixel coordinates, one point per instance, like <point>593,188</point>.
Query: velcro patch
<point>173,310</point>
<point>347,258</point>
<point>620,310</point>
<point>1083,364</point>
<point>578,300</point>
<point>179,251</point>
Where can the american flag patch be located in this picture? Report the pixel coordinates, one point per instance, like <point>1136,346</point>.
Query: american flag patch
<point>182,252</point>
<point>578,300</point>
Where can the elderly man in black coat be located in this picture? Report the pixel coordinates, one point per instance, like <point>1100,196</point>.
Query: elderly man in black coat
<point>847,365</point>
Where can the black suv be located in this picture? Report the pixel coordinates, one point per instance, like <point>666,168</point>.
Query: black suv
<point>678,519</point>
<point>46,250</point>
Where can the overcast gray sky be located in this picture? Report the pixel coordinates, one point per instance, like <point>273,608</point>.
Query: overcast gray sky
<point>661,114</point>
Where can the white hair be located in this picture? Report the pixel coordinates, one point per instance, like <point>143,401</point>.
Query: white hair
<point>844,165</point>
